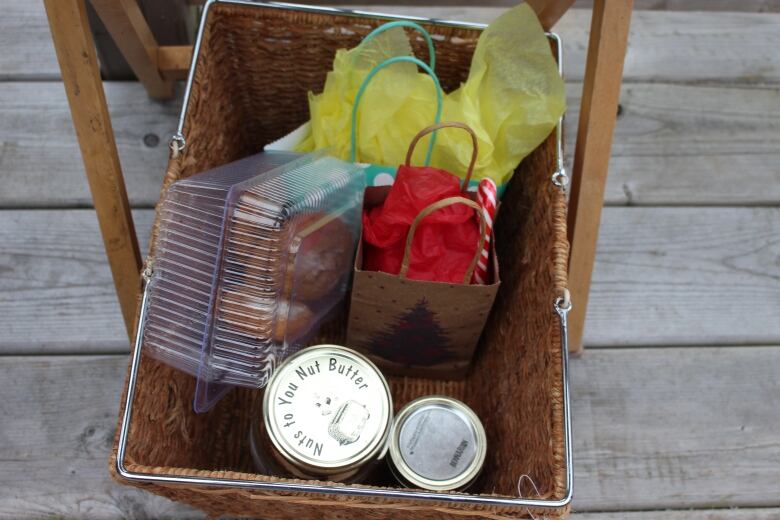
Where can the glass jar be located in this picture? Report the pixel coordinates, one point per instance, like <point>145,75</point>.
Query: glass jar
<point>326,414</point>
<point>437,443</point>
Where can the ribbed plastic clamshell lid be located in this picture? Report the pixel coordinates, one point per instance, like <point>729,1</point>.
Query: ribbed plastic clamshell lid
<point>250,259</point>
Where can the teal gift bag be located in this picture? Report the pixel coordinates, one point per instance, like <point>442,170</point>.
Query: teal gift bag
<point>383,175</point>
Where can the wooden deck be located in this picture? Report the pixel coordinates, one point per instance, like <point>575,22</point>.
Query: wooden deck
<point>676,402</point>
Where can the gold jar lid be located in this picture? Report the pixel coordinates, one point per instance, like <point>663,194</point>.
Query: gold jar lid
<point>327,411</point>
<point>437,443</point>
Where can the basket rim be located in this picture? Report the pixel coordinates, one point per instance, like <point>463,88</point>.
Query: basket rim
<point>561,308</point>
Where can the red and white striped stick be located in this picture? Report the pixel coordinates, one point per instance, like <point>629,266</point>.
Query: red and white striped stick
<point>486,198</point>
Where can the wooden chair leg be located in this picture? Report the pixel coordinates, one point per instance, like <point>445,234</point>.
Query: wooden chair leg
<point>549,11</point>
<point>127,26</point>
<point>598,111</point>
<point>81,76</point>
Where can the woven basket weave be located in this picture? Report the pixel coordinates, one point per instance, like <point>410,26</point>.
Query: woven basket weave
<point>255,68</point>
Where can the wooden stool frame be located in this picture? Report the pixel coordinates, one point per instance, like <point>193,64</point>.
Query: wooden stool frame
<point>157,67</point>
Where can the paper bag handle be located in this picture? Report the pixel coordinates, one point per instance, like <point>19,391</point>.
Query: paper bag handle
<point>448,124</point>
<point>436,206</point>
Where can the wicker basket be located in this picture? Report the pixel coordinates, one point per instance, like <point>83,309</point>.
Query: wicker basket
<point>248,86</point>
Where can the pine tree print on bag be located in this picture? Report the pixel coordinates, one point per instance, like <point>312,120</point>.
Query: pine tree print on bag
<point>416,338</point>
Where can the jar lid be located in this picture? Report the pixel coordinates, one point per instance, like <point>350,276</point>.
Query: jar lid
<point>437,443</point>
<point>327,409</point>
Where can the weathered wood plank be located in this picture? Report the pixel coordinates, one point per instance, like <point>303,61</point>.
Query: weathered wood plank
<point>664,276</point>
<point>664,428</point>
<point>674,144</point>
<point>26,42</point>
<point>54,271</point>
<point>55,437</point>
<point>40,164</point>
<point>691,145</point>
<point>706,46</point>
<point>651,432</point>
<point>667,276</point>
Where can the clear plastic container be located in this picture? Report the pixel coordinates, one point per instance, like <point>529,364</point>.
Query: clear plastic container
<point>250,259</point>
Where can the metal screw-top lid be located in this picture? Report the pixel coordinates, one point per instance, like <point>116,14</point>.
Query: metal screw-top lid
<point>327,410</point>
<point>437,443</point>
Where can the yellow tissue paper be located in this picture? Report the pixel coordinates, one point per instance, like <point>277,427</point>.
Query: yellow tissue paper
<point>397,100</point>
<point>512,98</point>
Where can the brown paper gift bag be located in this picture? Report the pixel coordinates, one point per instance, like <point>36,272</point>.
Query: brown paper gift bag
<point>420,328</point>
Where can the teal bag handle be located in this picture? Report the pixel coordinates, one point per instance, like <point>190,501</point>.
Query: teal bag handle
<point>362,89</point>
<point>411,25</point>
